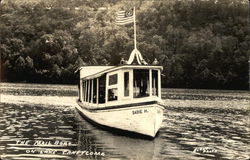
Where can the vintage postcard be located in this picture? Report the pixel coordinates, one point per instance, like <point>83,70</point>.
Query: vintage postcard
<point>124,79</point>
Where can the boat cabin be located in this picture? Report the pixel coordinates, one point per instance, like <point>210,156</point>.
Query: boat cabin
<point>104,86</point>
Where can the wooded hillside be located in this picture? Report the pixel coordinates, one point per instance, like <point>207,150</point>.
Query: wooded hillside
<point>201,44</point>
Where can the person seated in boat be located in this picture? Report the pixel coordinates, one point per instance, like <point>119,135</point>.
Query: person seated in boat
<point>111,95</point>
<point>102,97</point>
<point>143,92</point>
<point>94,98</point>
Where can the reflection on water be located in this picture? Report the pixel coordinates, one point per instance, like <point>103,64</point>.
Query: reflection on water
<point>224,129</point>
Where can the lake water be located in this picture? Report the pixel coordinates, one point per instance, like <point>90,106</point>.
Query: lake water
<point>39,122</point>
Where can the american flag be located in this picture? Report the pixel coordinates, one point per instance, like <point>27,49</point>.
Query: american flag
<point>125,17</point>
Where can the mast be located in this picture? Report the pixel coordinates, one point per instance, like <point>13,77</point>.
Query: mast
<point>134,29</point>
<point>135,53</point>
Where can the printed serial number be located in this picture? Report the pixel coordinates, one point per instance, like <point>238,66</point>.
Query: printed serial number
<point>140,111</point>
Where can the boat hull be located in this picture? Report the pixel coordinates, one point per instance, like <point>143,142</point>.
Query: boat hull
<point>144,119</point>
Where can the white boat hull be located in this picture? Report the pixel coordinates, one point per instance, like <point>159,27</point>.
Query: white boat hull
<point>143,119</point>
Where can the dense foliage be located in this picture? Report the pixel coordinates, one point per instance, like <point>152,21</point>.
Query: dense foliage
<point>200,43</point>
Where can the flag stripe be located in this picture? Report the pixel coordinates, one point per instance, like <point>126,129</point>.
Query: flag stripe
<point>124,19</point>
<point>124,22</point>
<point>120,12</point>
<point>127,20</point>
<point>123,16</point>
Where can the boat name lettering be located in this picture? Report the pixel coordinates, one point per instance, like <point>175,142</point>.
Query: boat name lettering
<point>140,111</point>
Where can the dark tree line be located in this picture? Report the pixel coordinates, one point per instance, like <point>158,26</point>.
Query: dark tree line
<point>201,44</point>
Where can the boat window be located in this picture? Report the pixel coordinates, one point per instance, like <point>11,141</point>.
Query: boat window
<point>102,89</point>
<point>94,90</point>
<point>141,83</point>
<point>83,90</point>
<point>113,79</point>
<point>154,82</point>
<point>126,84</point>
<point>87,91</point>
<point>83,87</point>
<point>90,90</point>
<point>112,94</point>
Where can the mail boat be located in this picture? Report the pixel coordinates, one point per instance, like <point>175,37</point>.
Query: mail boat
<point>124,97</point>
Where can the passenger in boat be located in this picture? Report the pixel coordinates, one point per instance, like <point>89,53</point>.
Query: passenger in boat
<point>111,95</point>
<point>94,98</point>
<point>141,83</point>
<point>144,88</point>
<point>102,97</point>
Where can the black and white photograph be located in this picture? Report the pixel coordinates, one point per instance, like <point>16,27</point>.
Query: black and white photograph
<point>124,80</point>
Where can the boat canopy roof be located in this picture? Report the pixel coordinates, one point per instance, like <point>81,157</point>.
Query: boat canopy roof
<point>90,72</point>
